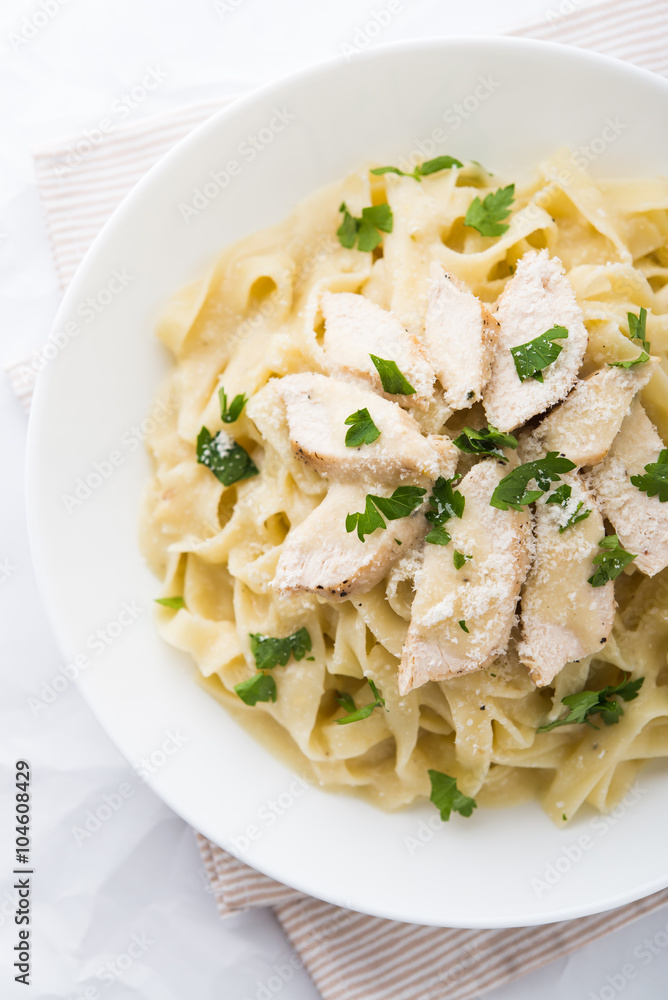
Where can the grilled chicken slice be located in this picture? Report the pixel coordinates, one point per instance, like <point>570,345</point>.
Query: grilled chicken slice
<point>537,298</point>
<point>355,328</point>
<point>563,617</point>
<point>317,407</point>
<point>483,593</point>
<point>640,521</point>
<point>585,425</point>
<point>460,337</point>
<point>320,557</point>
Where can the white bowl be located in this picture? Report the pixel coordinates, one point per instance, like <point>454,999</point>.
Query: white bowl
<point>505,102</point>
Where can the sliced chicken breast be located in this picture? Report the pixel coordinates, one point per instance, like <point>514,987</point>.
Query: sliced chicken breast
<point>537,298</point>
<point>585,425</point>
<point>320,557</point>
<point>482,594</point>
<point>563,617</point>
<point>460,337</point>
<point>317,408</point>
<point>356,328</point>
<point>640,521</point>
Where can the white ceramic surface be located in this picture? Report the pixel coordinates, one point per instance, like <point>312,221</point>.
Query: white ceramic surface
<point>99,387</point>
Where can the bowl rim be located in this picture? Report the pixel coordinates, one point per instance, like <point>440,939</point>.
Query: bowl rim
<point>239,105</point>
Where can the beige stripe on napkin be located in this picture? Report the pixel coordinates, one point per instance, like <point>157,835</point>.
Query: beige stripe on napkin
<point>634,30</point>
<point>350,956</point>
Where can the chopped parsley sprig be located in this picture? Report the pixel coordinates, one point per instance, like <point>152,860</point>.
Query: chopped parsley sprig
<point>365,230</point>
<point>447,798</point>
<point>269,652</point>
<point>459,559</point>
<point>638,328</point>
<point>655,482</point>
<point>637,331</point>
<point>532,358</point>
<point>362,429</point>
<point>355,714</point>
<point>487,441</point>
<point>611,562</point>
<point>512,490</point>
<point>422,169</point>
<point>229,415</point>
<point>640,359</point>
<point>444,503</point>
<point>587,703</point>
<point>175,603</point>
<point>392,380</point>
<point>259,687</point>
<point>562,496</point>
<point>228,461</point>
<point>486,216</point>
<point>403,502</point>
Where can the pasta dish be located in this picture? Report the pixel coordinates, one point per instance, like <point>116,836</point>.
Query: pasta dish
<point>408,504</point>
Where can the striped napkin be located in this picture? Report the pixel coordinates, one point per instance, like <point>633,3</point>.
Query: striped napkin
<point>349,956</point>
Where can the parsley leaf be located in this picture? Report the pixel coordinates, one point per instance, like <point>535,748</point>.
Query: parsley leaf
<point>437,164</point>
<point>391,378</point>
<point>228,416</point>
<point>534,356</point>
<point>403,501</point>
<point>438,535</point>
<point>171,602</point>
<point>610,562</point>
<point>512,490</point>
<point>462,625</point>
<point>459,558</point>
<point>364,230</point>
<point>656,480</point>
<point>228,461</point>
<point>447,798</point>
<point>445,501</point>
<point>366,521</point>
<point>260,687</point>
<point>486,216</point>
<point>575,517</point>
<point>444,504</point>
<point>638,328</point>
<point>588,703</point>
<point>488,441</point>
<point>345,700</point>
<point>422,169</point>
<point>375,219</point>
<point>363,429</point>
<point>347,231</point>
<point>357,714</point>
<point>562,496</point>
<point>270,652</point>
<point>640,360</point>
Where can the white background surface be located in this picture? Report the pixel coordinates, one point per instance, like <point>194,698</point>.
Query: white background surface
<point>139,875</point>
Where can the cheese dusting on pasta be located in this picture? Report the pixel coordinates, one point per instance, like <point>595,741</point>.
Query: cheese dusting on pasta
<point>341,519</point>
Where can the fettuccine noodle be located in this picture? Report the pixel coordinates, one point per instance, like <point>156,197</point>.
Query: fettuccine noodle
<point>256,316</point>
